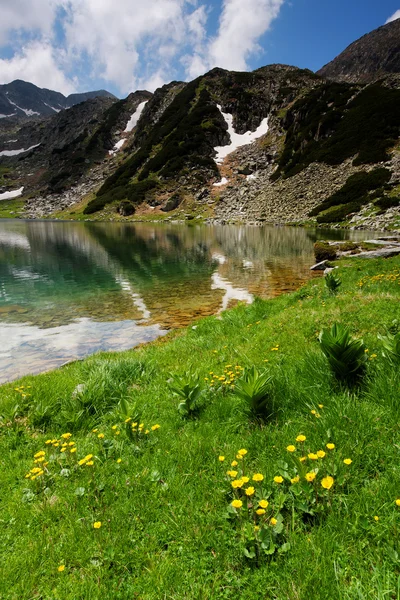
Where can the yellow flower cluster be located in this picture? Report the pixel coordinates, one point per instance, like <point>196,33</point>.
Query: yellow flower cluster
<point>86,461</point>
<point>138,428</point>
<point>393,277</point>
<point>22,391</point>
<point>227,379</point>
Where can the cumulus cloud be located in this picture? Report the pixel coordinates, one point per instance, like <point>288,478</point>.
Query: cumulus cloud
<point>128,44</point>
<point>33,16</point>
<point>37,62</point>
<point>241,26</point>
<point>394,16</point>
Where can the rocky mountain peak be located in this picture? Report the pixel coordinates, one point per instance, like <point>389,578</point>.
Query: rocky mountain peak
<point>371,57</point>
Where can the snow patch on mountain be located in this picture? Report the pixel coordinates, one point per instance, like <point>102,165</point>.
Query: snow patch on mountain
<point>27,111</point>
<point>223,181</point>
<point>12,194</point>
<point>133,121</point>
<point>57,110</point>
<point>16,152</point>
<point>238,140</point>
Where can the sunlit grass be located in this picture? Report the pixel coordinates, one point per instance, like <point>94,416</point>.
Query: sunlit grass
<point>161,498</point>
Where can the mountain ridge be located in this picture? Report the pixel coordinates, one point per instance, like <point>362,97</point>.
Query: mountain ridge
<point>24,99</point>
<point>372,56</point>
<point>321,150</point>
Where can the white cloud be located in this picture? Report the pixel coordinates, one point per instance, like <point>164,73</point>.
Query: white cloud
<point>394,16</point>
<point>241,26</point>
<point>37,62</point>
<point>129,44</point>
<point>28,15</point>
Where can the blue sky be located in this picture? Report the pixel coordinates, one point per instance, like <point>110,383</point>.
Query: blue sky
<point>123,45</point>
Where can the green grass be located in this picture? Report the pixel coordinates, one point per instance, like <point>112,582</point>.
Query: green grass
<point>10,209</point>
<point>166,531</point>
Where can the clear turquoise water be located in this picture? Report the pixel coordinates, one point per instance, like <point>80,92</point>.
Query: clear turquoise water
<point>69,289</point>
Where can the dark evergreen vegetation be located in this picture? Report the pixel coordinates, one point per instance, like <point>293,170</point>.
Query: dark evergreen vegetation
<point>183,139</point>
<point>337,121</point>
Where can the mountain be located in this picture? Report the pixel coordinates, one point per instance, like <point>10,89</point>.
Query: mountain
<point>374,55</point>
<point>51,155</point>
<point>278,145</point>
<point>23,99</point>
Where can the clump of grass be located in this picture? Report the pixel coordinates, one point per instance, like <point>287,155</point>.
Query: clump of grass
<point>254,389</point>
<point>346,356</point>
<point>190,390</point>
<point>332,282</point>
<point>391,347</point>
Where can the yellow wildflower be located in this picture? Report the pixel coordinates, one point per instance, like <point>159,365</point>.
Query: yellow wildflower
<point>291,448</point>
<point>119,460</point>
<point>376,518</point>
<point>398,502</point>
<point>94,430</point>
<point>321,454</point>
<point>301,438</point>
<point>39,454</point>
<point>313,412</point>
<point>71,444</point>
<point>61,568</point>
<point>238,483</point>
<point>320,406</point>
<point>66,436</point>
<point>154,427</point>
<point>347,461</point>
<point>249,491</point>
<point>260,511</point>
<point>128,420</point>
<point>47,442</point>
<point>302,458</point>
<point>239,456</point>
<point>258,477</point>
<point>72,450</point>
<point>278,479</point>
<point>242,452</point>
<point>232,473</point>
<point>273,521</point>
<point>114,427</point>
<point>312,456</point>
<point>100,436</point>
<point>330,446</point>
<point>256,528</point>
<point>89,463</point>
<point>327,482</point>
<point>310,476</point>
<point>295,479</point>
<point>245,479</point>
<point>97,524</point>
<point>234,463</point>
<point>221,458</point>
<point>237,504</point>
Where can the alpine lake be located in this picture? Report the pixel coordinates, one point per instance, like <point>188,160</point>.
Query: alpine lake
<point>70,289</point>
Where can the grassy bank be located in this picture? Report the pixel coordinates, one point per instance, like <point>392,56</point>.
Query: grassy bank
<point>130,514</point>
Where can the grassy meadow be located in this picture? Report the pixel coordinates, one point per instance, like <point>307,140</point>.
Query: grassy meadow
<point>109,491</point>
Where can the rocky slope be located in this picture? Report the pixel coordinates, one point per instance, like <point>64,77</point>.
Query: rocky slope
<point>277,145</point>
<point>374,55</point>
<point>23,99</point>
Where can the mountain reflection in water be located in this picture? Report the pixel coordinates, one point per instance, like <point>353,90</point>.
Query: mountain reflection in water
<point>68,289</point>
